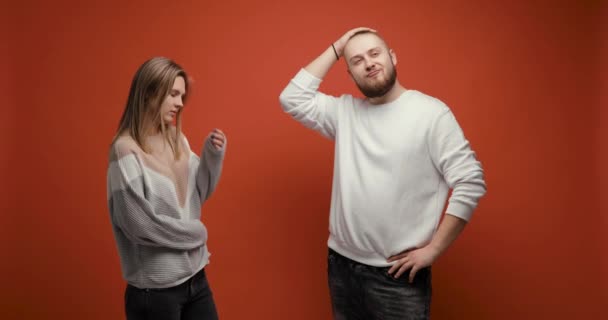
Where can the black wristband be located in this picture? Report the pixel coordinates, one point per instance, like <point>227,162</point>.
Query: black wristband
<point>335,52</point>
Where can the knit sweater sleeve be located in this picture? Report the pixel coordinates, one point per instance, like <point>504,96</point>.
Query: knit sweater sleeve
<point>452,156</point>
<point>135,216</point>
<point>209,169</point>
<point>303,102</point>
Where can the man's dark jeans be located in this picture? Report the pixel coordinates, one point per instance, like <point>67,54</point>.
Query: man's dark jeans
<point>364,292</point>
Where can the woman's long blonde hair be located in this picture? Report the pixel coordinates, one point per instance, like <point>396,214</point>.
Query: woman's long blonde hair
<point>151,84</point>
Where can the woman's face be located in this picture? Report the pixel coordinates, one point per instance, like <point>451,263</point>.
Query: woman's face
<point>173,102</point>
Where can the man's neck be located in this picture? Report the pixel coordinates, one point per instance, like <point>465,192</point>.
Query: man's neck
<point>390,96</point>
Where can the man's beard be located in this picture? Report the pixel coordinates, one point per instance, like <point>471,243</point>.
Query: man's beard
<point>378,89</point>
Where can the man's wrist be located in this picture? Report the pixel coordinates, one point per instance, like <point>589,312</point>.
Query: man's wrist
<point>335,52</point>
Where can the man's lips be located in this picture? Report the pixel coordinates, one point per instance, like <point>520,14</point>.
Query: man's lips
<point>373,73</point>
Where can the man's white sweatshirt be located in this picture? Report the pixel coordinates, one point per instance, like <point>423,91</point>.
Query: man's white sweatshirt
<point>394,165</point>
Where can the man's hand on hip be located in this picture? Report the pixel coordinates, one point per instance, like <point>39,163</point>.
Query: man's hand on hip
<point>414,259</point>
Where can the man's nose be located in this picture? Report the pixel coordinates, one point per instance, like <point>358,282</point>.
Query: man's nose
<point>369,65</point>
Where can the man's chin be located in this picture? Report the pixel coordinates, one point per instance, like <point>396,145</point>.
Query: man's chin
<point>373,92</point>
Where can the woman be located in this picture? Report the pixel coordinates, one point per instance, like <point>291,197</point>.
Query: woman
<point>156,187</point>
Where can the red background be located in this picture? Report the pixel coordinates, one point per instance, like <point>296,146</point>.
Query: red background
<point>526,80</point>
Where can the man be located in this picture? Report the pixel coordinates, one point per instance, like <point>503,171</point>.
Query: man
<point>397,154</point>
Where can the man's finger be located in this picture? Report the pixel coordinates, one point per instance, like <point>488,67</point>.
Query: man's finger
<point>396,266</point>
<point>397,257</point>
<point>413,273</point>
<point>404,267</point>
<point>393,268</point>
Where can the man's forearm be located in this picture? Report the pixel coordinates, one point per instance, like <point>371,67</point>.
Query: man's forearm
<point>448,231</point>
<point>321,65</point>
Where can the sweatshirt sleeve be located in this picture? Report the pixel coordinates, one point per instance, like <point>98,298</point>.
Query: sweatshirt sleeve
<point>453,157</point>
<point>303,102</point>
<point>134,215</point>
<point>210,169</point>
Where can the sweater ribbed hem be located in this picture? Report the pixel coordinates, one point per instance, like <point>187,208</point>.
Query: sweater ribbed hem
<point>365,257</point>
<point>145,285</point>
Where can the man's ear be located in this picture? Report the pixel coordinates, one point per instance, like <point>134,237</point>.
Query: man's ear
<point>393,56</point>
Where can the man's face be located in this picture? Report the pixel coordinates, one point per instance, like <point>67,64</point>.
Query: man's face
<point>371,64</point>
